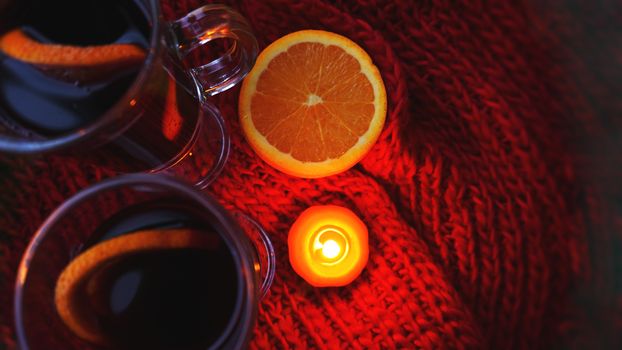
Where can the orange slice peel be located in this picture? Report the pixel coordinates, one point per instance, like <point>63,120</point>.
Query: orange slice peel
<point>313,105</point>
<point>71,62</point>
<point>69,299</point>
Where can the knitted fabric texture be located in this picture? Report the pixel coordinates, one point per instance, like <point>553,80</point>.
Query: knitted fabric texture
<point>471,196</point>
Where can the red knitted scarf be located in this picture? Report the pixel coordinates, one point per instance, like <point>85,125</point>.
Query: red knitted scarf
<point>477,233</point>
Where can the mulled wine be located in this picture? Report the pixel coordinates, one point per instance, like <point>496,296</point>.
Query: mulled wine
<point>165,298</point>
<point>154,125</point>
<point>46,104</point>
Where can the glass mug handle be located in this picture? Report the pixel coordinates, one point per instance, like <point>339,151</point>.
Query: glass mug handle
<point>212,22</point>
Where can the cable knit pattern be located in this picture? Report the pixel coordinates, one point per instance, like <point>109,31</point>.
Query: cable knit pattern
<point>476,212</point>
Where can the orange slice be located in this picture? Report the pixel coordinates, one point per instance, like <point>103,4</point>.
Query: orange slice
<point>71,62</point>
<point>313,105</point>
<point>70,286</point>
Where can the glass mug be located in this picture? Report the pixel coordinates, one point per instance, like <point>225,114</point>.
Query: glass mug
<point>110,209</point>
<point>163,122</point>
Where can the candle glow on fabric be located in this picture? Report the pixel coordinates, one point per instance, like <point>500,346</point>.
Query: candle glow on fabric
<point>328,246</point>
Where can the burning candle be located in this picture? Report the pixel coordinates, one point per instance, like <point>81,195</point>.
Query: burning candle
<point>328,246</point>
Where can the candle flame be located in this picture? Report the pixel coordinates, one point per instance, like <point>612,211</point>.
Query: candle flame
<point>331,249</point>
<point>329,245</point>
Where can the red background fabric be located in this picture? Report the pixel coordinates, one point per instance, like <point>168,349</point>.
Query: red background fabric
<point>476,197</point>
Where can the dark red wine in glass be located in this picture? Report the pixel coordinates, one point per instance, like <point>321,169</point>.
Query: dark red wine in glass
<point>141,261</point>
<point>177,298</point>
<point>34,101</point>
<point>151,117</point>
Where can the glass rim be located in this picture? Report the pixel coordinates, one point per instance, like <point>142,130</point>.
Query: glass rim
<point>24,146</point>
<point>246,298</point>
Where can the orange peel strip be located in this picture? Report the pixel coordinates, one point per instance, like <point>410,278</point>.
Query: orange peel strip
<point>18,45</point>
<point>68,62</point>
